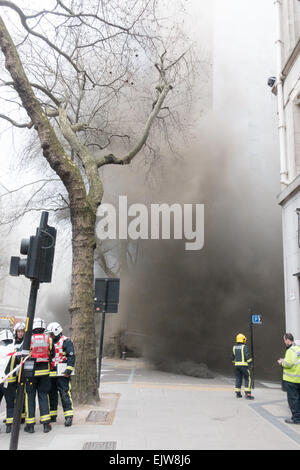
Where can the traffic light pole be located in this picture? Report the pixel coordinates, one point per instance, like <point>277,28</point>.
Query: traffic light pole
<point>14,439</point>
<point>102,334</point>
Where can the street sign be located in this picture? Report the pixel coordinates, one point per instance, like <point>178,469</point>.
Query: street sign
<point>256,320</point>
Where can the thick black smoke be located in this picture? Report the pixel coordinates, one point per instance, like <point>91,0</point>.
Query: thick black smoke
<point>189,305</point>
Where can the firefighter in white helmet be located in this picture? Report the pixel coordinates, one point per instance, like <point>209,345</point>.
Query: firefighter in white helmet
<point>11,391</point>
<point>19,331</point>
<point>7,388</point>
<point>62,366</point>
<point>42,351</point>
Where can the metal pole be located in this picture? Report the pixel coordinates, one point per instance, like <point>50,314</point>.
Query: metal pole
<point>102,333</point>
<point>101,347</point>
<point>252,348</point>
<point>14,438</point>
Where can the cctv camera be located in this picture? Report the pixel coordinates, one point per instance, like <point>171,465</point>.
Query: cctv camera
<point>271,81</point>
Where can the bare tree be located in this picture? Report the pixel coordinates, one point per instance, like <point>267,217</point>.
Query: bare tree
<point>77,72</point>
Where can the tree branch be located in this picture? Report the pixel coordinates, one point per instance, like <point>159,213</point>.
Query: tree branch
<point>54,153</point>
<point>88,161</point>
<point>17,124</point>
<point>23,19</point>
<point>125,160</point>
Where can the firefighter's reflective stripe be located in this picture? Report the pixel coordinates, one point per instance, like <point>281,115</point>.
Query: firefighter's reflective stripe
<point>291,364</point>
<point>43,371</point>
<point>239,358</point>
<point>12,378</point>
<point>40,347</point>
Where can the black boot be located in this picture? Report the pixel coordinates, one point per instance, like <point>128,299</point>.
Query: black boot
<point>69,421</point>
<point>8,428</point>
<point>47,427</point>
<point>248,396</point>
<point>29,428</point>
<point>238,394</point>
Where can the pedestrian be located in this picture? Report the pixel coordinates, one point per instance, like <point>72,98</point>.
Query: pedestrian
<point>42,351</point>
<point>291,377</point>
<point>61,368</point>
<point>7,388</point>
<point>11,391</point>
<point>242,363</point>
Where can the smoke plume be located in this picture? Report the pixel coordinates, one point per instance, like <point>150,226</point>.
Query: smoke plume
<point>189,305</point>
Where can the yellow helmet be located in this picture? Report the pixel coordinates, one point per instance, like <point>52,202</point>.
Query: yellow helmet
<point>241,338</point>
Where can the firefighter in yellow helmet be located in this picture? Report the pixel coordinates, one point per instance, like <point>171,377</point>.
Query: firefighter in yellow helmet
<point>242,362</point>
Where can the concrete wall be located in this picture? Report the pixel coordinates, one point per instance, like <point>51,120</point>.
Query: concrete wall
<point>290,201</point>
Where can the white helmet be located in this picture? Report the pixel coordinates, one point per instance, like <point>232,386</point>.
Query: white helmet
<point>54,328</point>
<point>19,326</point>
<point>38,323</point>
<point>6,334</point>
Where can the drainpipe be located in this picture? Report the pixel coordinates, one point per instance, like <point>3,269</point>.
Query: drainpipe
<point>280,98</point>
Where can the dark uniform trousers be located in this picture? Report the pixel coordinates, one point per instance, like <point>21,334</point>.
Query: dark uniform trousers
<point>10,391</point>
<point>9,394</point>
<point>61,385</point>
<point>293,398</point>
<point>242,372</point>
<point>39,384</point>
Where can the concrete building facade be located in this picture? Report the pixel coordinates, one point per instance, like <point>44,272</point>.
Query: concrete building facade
<point>287,89</point>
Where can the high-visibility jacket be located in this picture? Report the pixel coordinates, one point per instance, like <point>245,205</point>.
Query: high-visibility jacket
<point>240,355</point>
<point>40,347</point>
<point>291,364</point>
<point>64,353</point>
<point>42,351</point>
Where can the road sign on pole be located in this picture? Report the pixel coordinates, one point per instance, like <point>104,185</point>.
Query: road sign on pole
<point>256,320</point>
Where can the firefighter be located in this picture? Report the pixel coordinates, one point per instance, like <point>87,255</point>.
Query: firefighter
<point>42,351</point>
<point>18,335</point>
<point>19,331</point>
<point>7,363</point>
<point>61,384</point>
<point>291,377</point>
<point>242,363</point>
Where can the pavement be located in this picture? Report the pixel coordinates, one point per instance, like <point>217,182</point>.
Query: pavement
<point>142,409</point>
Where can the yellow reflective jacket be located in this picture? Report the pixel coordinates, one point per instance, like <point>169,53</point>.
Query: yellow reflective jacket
<point>291,364</point>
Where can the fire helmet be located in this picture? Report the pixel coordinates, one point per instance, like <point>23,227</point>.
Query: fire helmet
<point>241,338</point>
<point>54,328</point>
<point>38,324</point>
<point>6,335</point>
<point>19,326</point>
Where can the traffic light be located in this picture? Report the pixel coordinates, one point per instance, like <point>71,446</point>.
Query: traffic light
<point>39,249</point>
<point>107,292</point>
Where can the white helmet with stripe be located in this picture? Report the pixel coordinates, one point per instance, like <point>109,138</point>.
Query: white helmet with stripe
<point>54,328</point>
<point>6,335</point>
<point>38,323</point>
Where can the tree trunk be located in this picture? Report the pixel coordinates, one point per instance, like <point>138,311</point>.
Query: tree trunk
<point>82,305</point>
